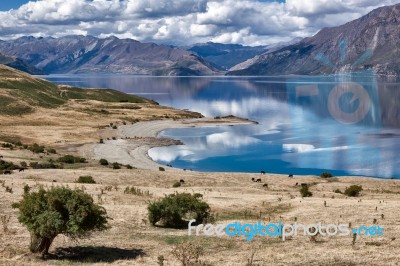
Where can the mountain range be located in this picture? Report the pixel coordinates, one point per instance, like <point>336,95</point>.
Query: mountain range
<point>370,42</point>
<point>88,54</point>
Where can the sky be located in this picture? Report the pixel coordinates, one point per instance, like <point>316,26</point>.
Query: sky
<point>180,22</point>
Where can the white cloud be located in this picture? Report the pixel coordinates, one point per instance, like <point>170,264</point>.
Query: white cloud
<point>183,21</point>
<point>298,147</point>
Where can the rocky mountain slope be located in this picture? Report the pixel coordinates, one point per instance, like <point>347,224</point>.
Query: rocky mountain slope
<point>189,65</point>
<point>88,54</point>
<point>19,64</point>
<point>371,41</point>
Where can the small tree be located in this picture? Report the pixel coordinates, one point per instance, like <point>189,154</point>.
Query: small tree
<point>175,209</point>
<point>353,191</point>
<point>59,210</point>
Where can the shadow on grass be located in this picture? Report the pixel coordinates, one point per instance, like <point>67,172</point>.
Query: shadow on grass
<point>95,254</point>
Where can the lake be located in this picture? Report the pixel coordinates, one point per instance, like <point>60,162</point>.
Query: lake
<point>346,124</point>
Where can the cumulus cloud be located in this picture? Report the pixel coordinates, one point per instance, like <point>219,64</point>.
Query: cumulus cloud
<point>180,22</point>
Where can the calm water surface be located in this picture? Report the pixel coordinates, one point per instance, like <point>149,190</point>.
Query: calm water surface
<point>345,124</point>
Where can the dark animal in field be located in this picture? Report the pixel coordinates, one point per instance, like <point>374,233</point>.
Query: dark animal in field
<point>304,184</point>
<point>7,172</point>
<point>253,179</point>
<point>258,180</point>
<point>265,185</point>
<point>182,181</point>
<point>263,172</point>
<point>297,184</point>
<point>54,180</point>
<point>290,175</point>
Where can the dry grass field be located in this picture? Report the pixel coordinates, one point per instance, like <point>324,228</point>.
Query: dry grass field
<point>132,241</point>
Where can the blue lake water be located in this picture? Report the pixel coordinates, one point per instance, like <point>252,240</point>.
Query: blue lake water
<point>346,124</point>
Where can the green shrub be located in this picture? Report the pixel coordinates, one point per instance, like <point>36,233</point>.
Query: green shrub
<point>50,165</point>
<point>27,188</point>
<point>7,145</point>
<point>4,165</point>
<point>59,210</point>
<point>86,179</point>
<point>101,141</point>
<point>338,191</point>
<point>176,209</point>
<point>18,143</point>
<point>103,162</point>
<point>128,166</point>
<point>162,169</point>
<point>326,175</point>
<point>36,148</point>
<point>70,159</point>
<point>114,127</point>
<point>353,191</point>
<point>304,191</point>
<point>116,166</point>
<point>53,151</point>
<point>177,184</point>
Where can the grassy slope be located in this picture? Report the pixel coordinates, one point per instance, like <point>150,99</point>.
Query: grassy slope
<point>20,93</point>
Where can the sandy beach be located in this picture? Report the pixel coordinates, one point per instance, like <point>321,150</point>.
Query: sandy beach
<point>133,141</point>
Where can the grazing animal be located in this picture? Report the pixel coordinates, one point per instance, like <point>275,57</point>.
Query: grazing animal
<point>265,185</point>
<point>253,179</point>
<point>21,170</point>
<point>182,181</point>
<point>290,175</point>
<point>54,180</point>
<point>258,180</point>
<point>297,184</point>
<point>7,172</point>
<point>263,172</point>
